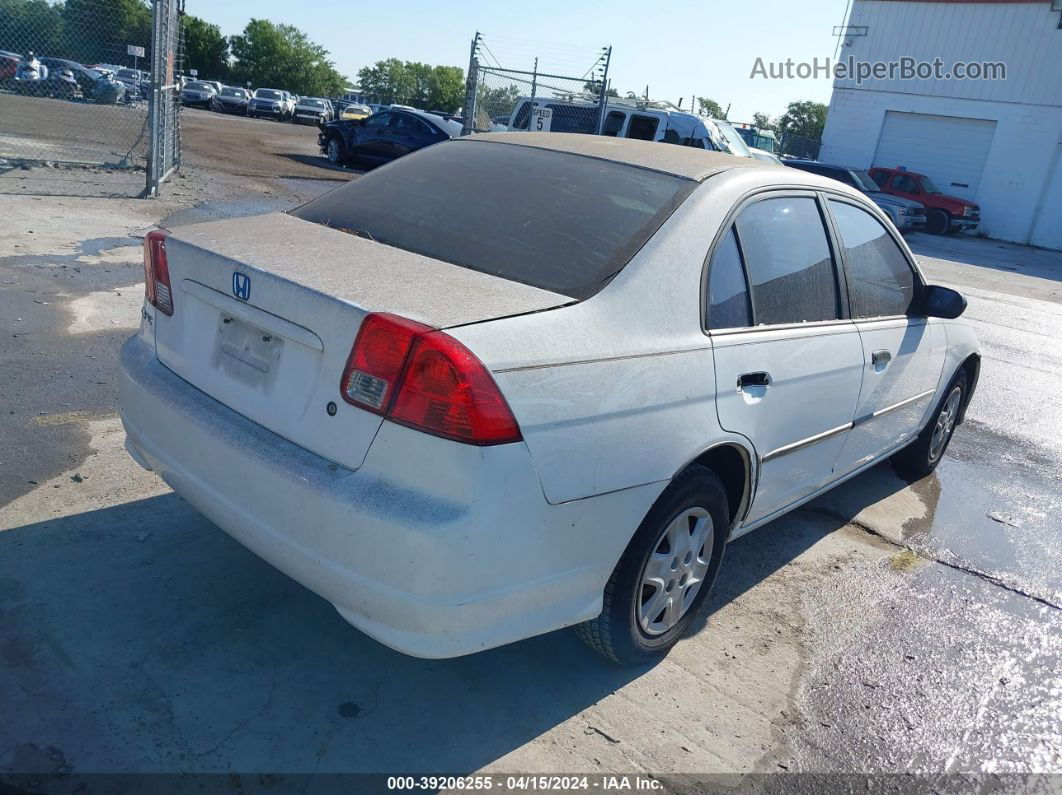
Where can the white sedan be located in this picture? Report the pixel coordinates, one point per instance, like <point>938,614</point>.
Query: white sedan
<point>518,382</point>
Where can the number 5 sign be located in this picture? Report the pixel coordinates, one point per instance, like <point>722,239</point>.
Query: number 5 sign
<point>541,119</point>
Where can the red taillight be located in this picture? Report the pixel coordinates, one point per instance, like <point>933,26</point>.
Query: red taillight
<point>157,272</point>
<point>426,380</point>
<point>375,362</point>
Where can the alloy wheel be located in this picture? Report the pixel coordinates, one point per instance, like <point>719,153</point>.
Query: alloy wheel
<point>675,570</point>
<point>945,423</point>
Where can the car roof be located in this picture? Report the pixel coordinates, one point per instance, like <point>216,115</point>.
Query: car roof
<point>799,162</point>
<point>682,161</point>
<point>897,170</point>
<point>446,125</point>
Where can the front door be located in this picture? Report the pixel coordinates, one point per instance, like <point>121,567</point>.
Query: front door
<point>788,365</point>
<point>903,352</point>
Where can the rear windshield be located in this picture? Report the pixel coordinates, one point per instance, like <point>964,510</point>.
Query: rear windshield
<point>557,221</point>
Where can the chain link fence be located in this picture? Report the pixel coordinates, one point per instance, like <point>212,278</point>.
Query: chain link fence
<point>504,99</point>
<point>76,83</point>
<point>499,97</point>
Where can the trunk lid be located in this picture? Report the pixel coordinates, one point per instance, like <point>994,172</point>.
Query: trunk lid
<point>266,310</point>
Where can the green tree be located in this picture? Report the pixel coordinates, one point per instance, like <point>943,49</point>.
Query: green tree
<point>282,56</point>
<point>594,87</point>
<point>806,119</point>
<point>205,49</point>
<point>98,31</point>
<point>31,25</point>
<point>411,83</point>
<point>762,121</point>
<point>710,108</point>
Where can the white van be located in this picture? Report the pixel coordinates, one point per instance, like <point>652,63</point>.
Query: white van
<point>644,121</point>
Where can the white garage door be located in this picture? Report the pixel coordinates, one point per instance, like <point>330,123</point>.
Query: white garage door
<point>950,149</point>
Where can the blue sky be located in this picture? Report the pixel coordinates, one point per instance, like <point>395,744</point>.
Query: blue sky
<point>706,48</point>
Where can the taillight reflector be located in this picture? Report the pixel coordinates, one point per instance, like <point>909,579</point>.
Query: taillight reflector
<point>157,288</point>
<point>426,380</point>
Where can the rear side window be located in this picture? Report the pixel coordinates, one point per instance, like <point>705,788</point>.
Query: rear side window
<point>728,295</point>
<point>880,281</point>
<point>788,261</point>
<point>553,220</point>
<point>642,127</point>
<point>613,123</point>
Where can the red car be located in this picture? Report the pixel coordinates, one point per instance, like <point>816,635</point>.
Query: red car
<point>9,62</point>
<point>943,213</point>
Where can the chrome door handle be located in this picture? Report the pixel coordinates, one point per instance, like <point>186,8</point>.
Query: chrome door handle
<point>880,357</point>
<point>753,379</point>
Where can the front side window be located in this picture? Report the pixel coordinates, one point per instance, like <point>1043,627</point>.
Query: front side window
<point>902,182</point>
<point>881,178</point>
<point>880,282</point>
<point>788,260</point>
<point>378,121</point>
<point>728,295</point>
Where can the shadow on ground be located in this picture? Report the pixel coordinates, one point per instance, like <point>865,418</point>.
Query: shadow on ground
<point>142,638</point>
<point>319,161</point>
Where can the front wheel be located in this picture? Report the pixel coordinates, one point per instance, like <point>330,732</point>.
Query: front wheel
<point>923,454</point>
<point>937,222</point>
<point>335,151</point>
<point>666,573</point>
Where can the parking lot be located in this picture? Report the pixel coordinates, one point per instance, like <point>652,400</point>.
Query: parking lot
<point>885,627</point>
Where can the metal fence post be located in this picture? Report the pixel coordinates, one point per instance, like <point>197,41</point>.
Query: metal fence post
<point>604,93</point>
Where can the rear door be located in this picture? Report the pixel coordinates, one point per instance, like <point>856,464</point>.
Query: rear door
<point>788,363</point>
<point>903,352</point>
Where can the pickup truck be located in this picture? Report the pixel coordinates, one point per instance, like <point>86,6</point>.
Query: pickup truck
<point>944,214</point>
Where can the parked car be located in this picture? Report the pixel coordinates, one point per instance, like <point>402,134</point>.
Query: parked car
<point>906,214</point>
<point>271,102</point>
<point>313,110</point>
<point>766,157</point>
<point>943,213</point>
<point>384,136</point>
<point>231,99</point>
<point>355,112</point>
<point>9,62</point>
<point>87,79</point>
<point>198,93</point>
<point>642,121</point>
<point>466,414</point>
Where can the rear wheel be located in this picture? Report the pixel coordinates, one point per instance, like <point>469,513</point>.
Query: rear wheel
<point>666,573</point>
<point>937,222</point>
<point>923,454</point>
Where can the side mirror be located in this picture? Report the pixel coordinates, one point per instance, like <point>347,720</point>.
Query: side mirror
<point>942,302</point>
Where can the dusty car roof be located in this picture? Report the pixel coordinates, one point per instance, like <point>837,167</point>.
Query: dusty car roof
<point>682,161</point>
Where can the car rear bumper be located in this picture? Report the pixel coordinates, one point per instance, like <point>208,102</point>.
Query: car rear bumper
<point>434,548</point>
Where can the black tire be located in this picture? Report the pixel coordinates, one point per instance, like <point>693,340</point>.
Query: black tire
<point>922,455</point>
<point>617,633</point>
<point>937,222</point>
<point>335,150</point>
